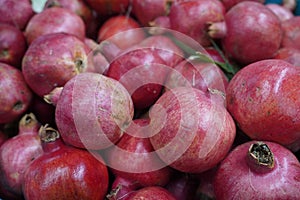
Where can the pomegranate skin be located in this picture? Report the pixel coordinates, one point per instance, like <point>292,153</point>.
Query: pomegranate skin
<point>65,172</point>
<point>204,76</point>
<point>253,33</point>
<point>146,11</point>
<point>166,49</point>
<point>117,29</point>
<point>15,95</point>
<point>291,33</point>
<point>192,17</point>
<point>91,98</point>
<point>16,154</point>
<point>54,20</point>
<point>142,72</point>
<point>12,45</point>
<point>282,12</point>
<point>132,166</point>
<point>198,142</point>
<point>264,99</point>
<point>235,179</point>
<point>52,60</point>
<point>289,54</point>
<point>152,193</point>
<point>16,12</point>
<point>230,3</point>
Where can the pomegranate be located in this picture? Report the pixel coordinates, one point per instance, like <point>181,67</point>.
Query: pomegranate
<point>192,18</point>
<point>258,170</point>
<point>77,6</point>
<point>100,62</point>
<point>53,59</point>
<point>264,99</point>
<point>191,132</point>
<point>133,157</point>
<point>250,32</point>
<point>123,31</point>
<point>148,10</point>
<point>93,111</point>
<point>16,12</point>
<point>17,153</point>
<point>12,45</point>
<point>201,75</point>
<point>291,33</point>
<point>167,50</point>
<point>151,193</point>
<point>282,12</point>
<point>142,72</point>
<point>15,95</point>
<point>109,8</point>
<point>54,20</point>
<point>64,172</point>
<point>230,3</point>
<point>289,54</point>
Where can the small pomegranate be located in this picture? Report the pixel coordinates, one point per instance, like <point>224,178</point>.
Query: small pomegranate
<point>16,12</point>
<point>12,45</point>
<point>55,20</point>
<point>64,172</point>
<point>17,153</point>
<point>15,95</point>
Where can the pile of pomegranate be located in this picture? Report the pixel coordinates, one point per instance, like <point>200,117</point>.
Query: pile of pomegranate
<point>149,99</point>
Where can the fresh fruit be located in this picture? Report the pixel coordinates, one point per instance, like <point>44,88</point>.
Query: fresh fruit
<point>250,32</point>
<point>193,132</point>
<point>258,170</point>
<point>93,111</point>
<point>53,59</point>
<point>64,172</point>
<point>54,20</point>
<point>16,12</point>
<point>12,45</point>
<point>15,96</point>
<point>264,99</point>
<point>16,154</point>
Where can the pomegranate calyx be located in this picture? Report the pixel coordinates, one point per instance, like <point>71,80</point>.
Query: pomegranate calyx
<point>80,65</point>
<point>113,193</point>
<point>28,119</point>
<point>260,154</point>
<point>48,134</point>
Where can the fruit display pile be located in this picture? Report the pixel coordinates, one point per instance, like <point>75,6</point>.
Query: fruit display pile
<point>149,99</point>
